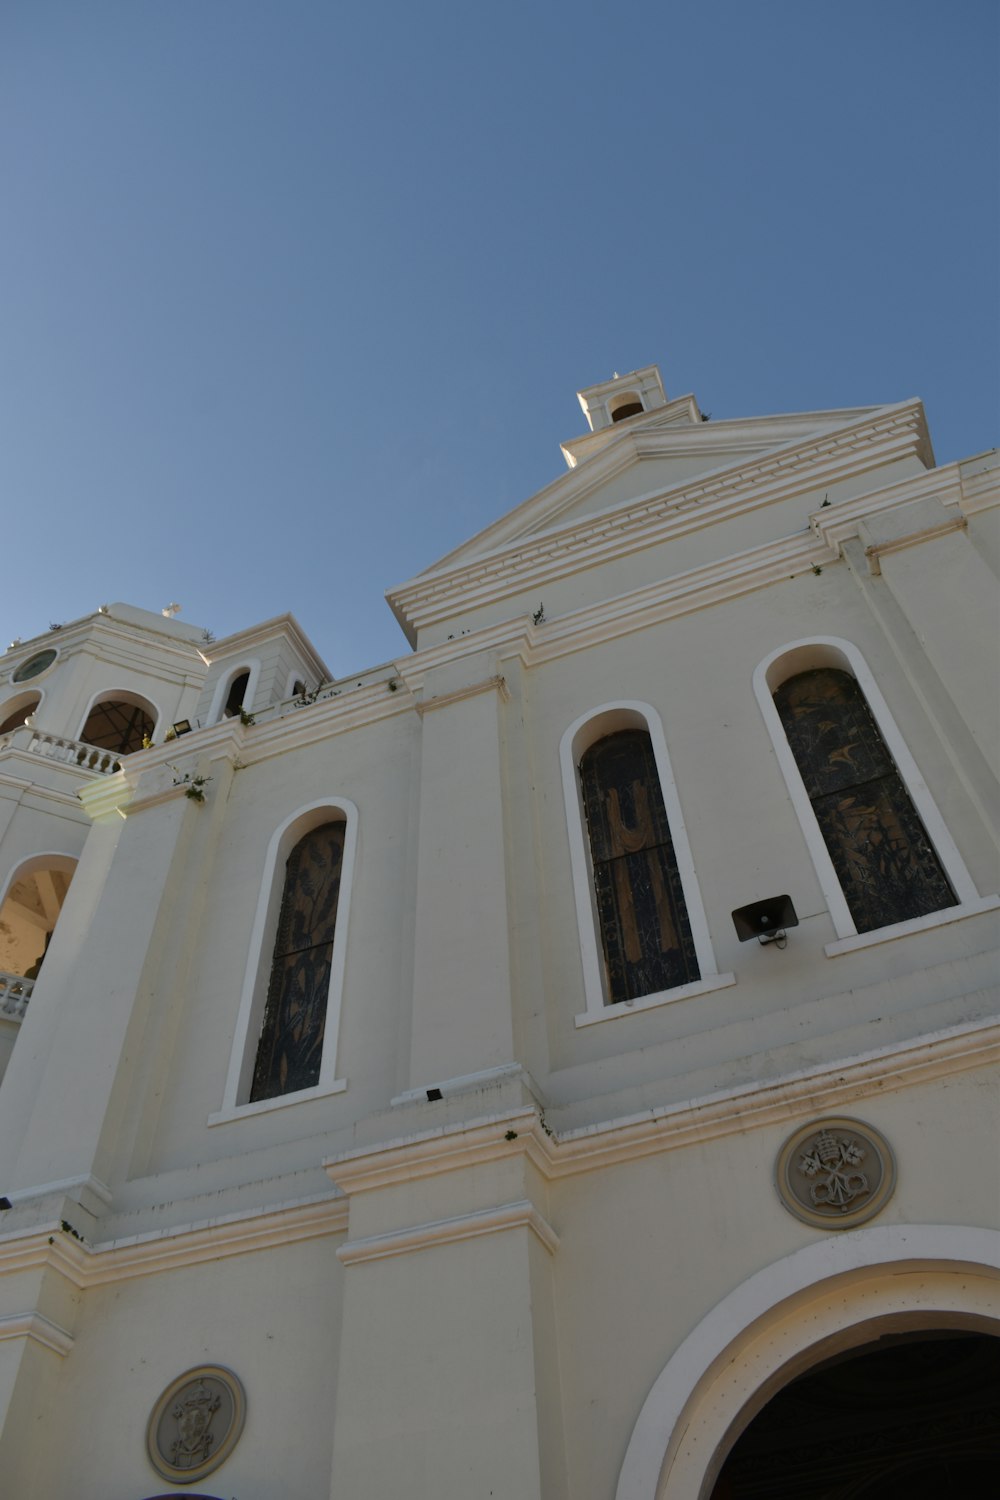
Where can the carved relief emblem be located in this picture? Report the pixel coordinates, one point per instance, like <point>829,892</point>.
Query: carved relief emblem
<point>196,1423</point>
<point>835,1173</point>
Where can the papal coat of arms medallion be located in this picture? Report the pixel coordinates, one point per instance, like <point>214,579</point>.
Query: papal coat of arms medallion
<point>835,1173</point>
<point>196,1423</point>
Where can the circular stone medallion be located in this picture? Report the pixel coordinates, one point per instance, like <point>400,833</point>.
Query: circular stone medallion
<point>196,1423</point>
<point>835,1173</point>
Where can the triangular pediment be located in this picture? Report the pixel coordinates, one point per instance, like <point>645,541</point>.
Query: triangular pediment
<point>657,478</point>
<point>658,451</point>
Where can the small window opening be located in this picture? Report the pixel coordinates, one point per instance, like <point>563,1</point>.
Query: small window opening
<point>630,407</point>
<point>237,692</point>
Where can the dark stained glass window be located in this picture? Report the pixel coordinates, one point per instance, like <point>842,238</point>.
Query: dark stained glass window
<point>644,924</point>
<point>117,726</point>
<point>291,1039</point>
<point>887,868</point>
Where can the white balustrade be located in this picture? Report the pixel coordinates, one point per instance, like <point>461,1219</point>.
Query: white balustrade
<point>15,992</point>
<point>56,747</point>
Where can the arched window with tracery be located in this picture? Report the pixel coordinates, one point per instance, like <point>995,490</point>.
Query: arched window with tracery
<point>290,1049</point>
<point>642,915</point>
<point>888,869</point>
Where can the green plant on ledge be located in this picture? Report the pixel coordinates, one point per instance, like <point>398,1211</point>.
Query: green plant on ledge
<point>194,786</point>
<point>246,718</point>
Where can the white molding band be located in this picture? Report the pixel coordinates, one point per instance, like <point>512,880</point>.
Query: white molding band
<point>826,1088</point>
<point>519,1215</point>
<point>182,1245</point>
<point>34,1325</point>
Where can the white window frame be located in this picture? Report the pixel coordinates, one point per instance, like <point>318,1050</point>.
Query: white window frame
<point>805,655</point>
<point>595,724</point>
<point>251,664</point>
<point>253,996</point>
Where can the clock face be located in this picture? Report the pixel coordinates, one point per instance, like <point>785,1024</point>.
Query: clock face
<point>34,666</point>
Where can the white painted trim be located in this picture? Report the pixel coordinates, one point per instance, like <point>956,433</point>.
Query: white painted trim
<point>254,993</point>
<point>520,1215</point>
<point>652,1002</point>
<point>831,1088</point>
<point>463,1082</point>
<point>940,918</point>
<point>607,718</point>
<point>833,651</point>
<point>35,1325</point>
<point>265,1106</point>
<point>121,695</point>
<point>786,1317</point>
<point>272,1227</point>
<point>65,1185</point>
<point>249,664</point>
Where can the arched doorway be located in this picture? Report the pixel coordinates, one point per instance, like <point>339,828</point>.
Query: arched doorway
<point>826,1303</point>
<point>911,1414</point>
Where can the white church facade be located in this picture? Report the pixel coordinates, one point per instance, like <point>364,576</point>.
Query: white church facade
<point>557,1064</point>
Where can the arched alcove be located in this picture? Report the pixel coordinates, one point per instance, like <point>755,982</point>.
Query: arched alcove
<point>119,721</point>
<point>14,712</point>
<point>29,910</point>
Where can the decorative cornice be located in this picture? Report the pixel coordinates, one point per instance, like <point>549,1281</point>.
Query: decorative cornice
<point>350,707</point>
<point>892,433</point>
<point>727,1112</point>
<point>745,435</point>
<point>442,700</point>
<point>285,625</point>
<point>169,1250</point>
<point>519,1215</point>
<point>34,1325</point>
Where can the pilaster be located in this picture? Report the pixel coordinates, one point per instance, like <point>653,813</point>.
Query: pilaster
<point>461,938</point>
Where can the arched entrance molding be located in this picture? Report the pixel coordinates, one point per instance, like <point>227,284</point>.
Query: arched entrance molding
<point>837,1294</point>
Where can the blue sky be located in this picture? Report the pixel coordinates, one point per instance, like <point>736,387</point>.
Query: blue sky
<point>296,296</point>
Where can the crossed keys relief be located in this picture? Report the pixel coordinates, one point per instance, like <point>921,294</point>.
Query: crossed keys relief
<point>835,1173</point>
<point>832,1160</point>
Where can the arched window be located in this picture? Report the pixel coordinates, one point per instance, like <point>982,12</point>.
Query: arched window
<point>14,713</point>
<point>29,911</point>
<point>285,1042</point>
<point>290,1049</point>
<point>644,938</point>
<point>882,852</point>
<point>628,405</point>
<point>119,723</point>
<point>884,860</point>
<point>643,920</point>
<point>236,695</point>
